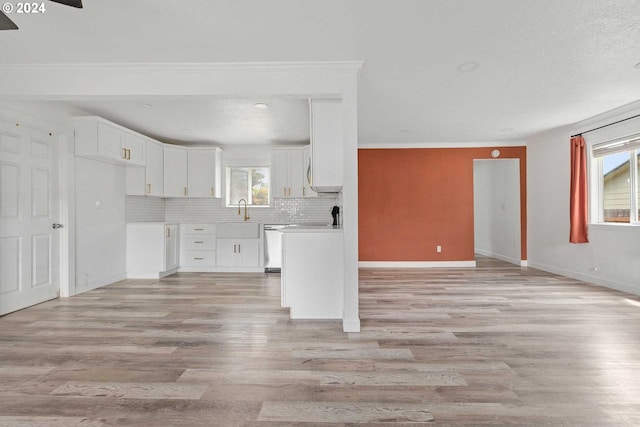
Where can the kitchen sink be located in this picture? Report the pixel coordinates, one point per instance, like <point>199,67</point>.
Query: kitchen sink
<point>238,230</point>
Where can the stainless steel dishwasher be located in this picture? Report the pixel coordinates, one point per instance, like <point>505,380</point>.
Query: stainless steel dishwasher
<point>273,247</point>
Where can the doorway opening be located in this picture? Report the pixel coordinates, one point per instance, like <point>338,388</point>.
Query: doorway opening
<point>496,204</point>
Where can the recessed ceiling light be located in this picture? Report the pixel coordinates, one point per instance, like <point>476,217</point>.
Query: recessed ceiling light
<point>261,106</point>
<point>278,130</point>
<point>185,130</point>
<point>145,105</point>
<point>406,131</point>
<point>506,130</point>
<point>467,67</point>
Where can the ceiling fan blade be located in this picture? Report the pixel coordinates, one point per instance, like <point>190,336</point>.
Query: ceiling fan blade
<point>6,23</point>
<point>73,3</point>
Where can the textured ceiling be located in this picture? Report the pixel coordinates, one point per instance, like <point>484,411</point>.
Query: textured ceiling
<point>542,63</point>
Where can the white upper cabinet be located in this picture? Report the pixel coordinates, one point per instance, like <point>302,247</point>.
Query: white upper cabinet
<point>102,140</point>
<point>175,171</point>
<point>327,146</point>
<point>136,147</point>
<point>154,172</point>
<point>148,181</point>
<point>287,172</point>
<point>204,172</point>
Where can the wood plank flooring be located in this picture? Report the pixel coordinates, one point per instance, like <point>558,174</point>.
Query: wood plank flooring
<point>497,345</point>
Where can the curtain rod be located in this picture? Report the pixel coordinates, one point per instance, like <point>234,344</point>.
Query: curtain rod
<point>604,126</point>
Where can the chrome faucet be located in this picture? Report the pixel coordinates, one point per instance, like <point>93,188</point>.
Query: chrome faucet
<point>246,217</point>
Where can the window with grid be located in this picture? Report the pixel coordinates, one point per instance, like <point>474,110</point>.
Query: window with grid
<point>250,183</point>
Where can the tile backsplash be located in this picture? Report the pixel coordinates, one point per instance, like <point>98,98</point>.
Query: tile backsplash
<point>285,211</point>
<point>143,209</point>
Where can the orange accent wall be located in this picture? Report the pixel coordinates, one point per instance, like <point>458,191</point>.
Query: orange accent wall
<point>411,200</point>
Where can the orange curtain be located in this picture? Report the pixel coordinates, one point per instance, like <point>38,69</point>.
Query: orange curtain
<point>578,196</point>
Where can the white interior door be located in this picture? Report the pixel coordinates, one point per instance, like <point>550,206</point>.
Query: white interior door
<point>29,206</point>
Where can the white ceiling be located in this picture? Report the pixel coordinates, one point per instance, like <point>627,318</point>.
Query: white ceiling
<point>218,121</point>
<point>542,63</point>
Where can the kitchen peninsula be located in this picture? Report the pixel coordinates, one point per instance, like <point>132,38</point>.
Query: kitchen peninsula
<point>312,272</point>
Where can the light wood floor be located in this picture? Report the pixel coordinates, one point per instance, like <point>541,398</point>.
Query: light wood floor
<point>493,346</point>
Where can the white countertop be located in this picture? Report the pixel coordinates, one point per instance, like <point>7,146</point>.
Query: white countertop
<point>312,229</point>
<point>153,223</point>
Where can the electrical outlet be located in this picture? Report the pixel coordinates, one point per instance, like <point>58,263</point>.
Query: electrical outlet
<point>438,248</point>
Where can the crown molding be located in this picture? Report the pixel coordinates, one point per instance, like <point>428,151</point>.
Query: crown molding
<point>392,145</point>
<point>336,66</point>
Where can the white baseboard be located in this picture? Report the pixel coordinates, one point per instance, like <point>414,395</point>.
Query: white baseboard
<point>416,264</point>
<point>220,270</point>
<point>501,257</point>
<point>351,324</point>
<point>594,280</point>
<point>98,283</point>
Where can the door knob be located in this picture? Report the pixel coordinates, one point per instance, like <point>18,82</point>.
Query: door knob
<point>56,226</point>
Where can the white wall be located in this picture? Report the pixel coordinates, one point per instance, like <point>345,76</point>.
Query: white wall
<point>100,223</point>
<point>496,189</point>
<point>612,257</point>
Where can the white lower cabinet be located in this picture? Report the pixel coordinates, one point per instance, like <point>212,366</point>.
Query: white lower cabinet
<point>198,244</point>
<point>312,274</point>
<point>238,252</point>
<point>152,250</point>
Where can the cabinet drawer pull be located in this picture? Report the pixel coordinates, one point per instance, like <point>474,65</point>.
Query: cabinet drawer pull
<point>185,191</point>
<point>303,191</point>
<point>198,242</point>
<point>168,232</point>
<point>234,249</point>
<point>212,191</point>
<point>285,191</point>
<point>124,153</point>
<point>128,154</point>
<point>148,188</point>
<point>199,258</point>
<point>238,248</point>
<point>198,229</point>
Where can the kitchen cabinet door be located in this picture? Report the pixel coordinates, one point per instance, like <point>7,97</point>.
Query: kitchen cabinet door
<point>136,149</point>
<point>203,172</point>
<point>295,166</point>
<point>172,252</point>
<point>154,170</point>
<point>238,252</point>
<point>286,173</point>
<point>248,253</point>
<point>279,173</point>
<point>175,172</point>
<point>226,253</point>
<point>111,143</point>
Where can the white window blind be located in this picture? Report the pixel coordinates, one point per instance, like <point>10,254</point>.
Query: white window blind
<point>619,145</point>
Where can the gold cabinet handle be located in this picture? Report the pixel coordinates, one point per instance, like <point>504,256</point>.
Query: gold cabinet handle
<point>168,232</point>
<point>303,192</point>
<point>124,153</point>
<point>238,248</point>
<point>148,188</point>
<point>128,154</point>
<point>234,249</point>
<point>199,258</point>
<point>285,191</point>
<point>212,191</point>
<point>185,191</point>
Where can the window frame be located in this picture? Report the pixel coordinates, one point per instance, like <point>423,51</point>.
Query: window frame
<point>228,167</point>
<point>596,179</point>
